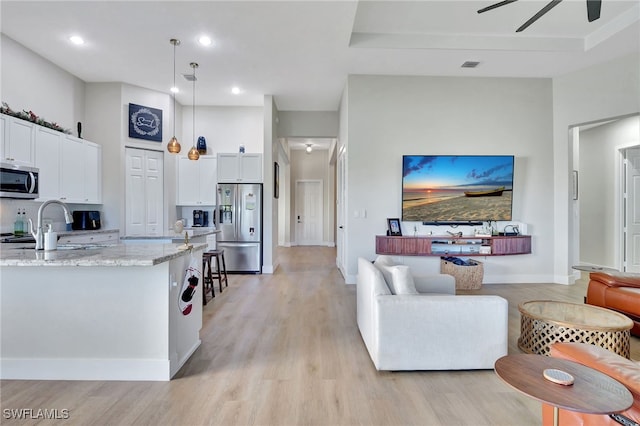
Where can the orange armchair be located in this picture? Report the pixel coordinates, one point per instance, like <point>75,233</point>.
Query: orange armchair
<point>619,291</point>
<point>623,370</point>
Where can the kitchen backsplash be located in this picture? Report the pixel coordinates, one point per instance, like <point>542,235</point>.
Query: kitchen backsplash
<point>52,213</point>
<point>186,212</point>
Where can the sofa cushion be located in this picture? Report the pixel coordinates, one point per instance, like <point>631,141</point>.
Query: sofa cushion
<point>402,280</point>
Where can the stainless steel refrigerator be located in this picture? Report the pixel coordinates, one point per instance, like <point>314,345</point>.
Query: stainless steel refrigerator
<point>240,222</point>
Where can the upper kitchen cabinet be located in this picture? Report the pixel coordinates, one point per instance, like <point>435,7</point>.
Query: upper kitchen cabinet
<point>239,167</point>
<point>70,168</point>
<point>18,145</point>
<point>48,145</point>
<point>197,181</point>
<point>80,171</point>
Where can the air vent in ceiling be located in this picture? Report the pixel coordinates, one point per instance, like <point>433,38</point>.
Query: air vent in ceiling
<point>190,77</point>
<point>470,64</point>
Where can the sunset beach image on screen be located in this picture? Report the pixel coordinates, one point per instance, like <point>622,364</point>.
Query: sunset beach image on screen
<point>457,188</point>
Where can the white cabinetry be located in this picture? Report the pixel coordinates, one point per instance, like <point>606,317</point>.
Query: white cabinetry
<point>70,168</point>
<point>239,167</point>
<point>48,144</point>
<point>17,140</point>
<point>197,181</point>
<point>80,171</point>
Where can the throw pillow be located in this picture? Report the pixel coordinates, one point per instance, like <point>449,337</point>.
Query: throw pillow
<point>402,280</point>
<point>383,263</point>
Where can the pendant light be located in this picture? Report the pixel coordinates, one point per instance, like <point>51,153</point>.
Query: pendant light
<point>193,152</point>
<point>174,146</point>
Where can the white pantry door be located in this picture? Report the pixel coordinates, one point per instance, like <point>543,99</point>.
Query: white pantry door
<point>309,208</point>
<point>144,192</point>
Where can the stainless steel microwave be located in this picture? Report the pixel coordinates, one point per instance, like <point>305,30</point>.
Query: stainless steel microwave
<point>18,181</point>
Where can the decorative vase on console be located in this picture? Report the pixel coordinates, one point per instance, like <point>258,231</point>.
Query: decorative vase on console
<point>202,145</point>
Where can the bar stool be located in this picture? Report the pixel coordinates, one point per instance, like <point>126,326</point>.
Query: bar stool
<point>206,277</point>
<point>221,273</point>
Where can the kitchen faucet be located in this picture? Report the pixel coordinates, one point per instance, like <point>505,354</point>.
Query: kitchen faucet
<point>39,234</point>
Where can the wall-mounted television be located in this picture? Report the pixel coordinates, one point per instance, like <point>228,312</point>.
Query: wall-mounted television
<point>457,189</point>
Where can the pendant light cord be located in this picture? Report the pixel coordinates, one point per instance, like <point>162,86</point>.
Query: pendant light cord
<point>173,89</point>
<point>194,65</point>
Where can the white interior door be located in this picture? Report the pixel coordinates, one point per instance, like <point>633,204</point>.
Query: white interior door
<point>144,192</point>
<point>632,211</point>
<point>309,208</point>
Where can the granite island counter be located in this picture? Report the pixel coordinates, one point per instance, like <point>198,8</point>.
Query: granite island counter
<point>196,235</point>
<point>99,313</point>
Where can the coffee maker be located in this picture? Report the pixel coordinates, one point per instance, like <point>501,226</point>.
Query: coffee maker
<point>200,218</point>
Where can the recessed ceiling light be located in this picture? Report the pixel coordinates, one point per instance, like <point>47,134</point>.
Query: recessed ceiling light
<point>205,41</point>
<point>236,90</point>
<point>175,90</point>
<point>77,40</point>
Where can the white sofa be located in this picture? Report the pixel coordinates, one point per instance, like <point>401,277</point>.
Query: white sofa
<point>431,330</point>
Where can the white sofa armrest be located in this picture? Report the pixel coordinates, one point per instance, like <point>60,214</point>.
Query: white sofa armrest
<point>440,332</point>
<point>438,283</point>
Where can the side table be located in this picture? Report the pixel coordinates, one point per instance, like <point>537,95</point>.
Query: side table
<point>592,392</point>
<point>543,322</point>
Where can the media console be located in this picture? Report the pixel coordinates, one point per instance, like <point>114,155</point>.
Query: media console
<point>453,246</point>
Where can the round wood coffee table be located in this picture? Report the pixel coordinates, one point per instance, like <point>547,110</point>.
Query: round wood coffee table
<point>592,392</point>
<point>544,322</point>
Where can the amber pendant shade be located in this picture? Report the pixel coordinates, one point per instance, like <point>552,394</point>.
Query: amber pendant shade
<point>193,153</point>
<point>174,146</point>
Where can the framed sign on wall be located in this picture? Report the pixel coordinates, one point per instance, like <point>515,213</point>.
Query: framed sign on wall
<point>145,123</point>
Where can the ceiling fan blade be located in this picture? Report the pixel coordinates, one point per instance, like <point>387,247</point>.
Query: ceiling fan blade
<point>537,16</point>
<point>495,5</point>
<point>593,9</point>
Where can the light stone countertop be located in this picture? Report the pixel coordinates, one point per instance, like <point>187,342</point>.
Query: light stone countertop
<point>194,233</point>
<point>96,255</point>
<point>87,232</point>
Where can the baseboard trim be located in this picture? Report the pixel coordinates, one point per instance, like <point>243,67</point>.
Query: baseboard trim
<point>85,369</point>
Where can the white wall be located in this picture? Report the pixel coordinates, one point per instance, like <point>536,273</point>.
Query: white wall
<point>308,124</point>
<point>103,125</point>
<point>30,82</point>
<point>225,128</point>
<point>604,91</point>
<point>598,184</point>
<point>270,207</point>
<point>392,116</point>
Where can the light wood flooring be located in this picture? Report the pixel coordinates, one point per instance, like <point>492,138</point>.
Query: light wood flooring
<point>284,349</point>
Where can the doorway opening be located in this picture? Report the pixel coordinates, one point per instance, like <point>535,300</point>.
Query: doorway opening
<point>606,203</point>
<point>306,203</point>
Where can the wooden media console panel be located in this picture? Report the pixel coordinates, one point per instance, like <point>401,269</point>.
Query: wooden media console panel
<point>453,246</point>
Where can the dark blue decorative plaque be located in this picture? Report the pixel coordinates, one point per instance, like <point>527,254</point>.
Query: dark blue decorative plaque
<point>145,123</point>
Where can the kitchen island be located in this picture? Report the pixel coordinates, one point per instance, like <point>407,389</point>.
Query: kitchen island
<point>99,313</point>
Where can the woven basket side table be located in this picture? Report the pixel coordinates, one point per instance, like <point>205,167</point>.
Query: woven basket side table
<point>543,322</point>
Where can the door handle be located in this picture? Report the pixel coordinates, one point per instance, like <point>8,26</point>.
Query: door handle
<point>341,227</point>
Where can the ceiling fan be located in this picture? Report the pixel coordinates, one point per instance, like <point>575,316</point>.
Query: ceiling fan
<point>593,10</point>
